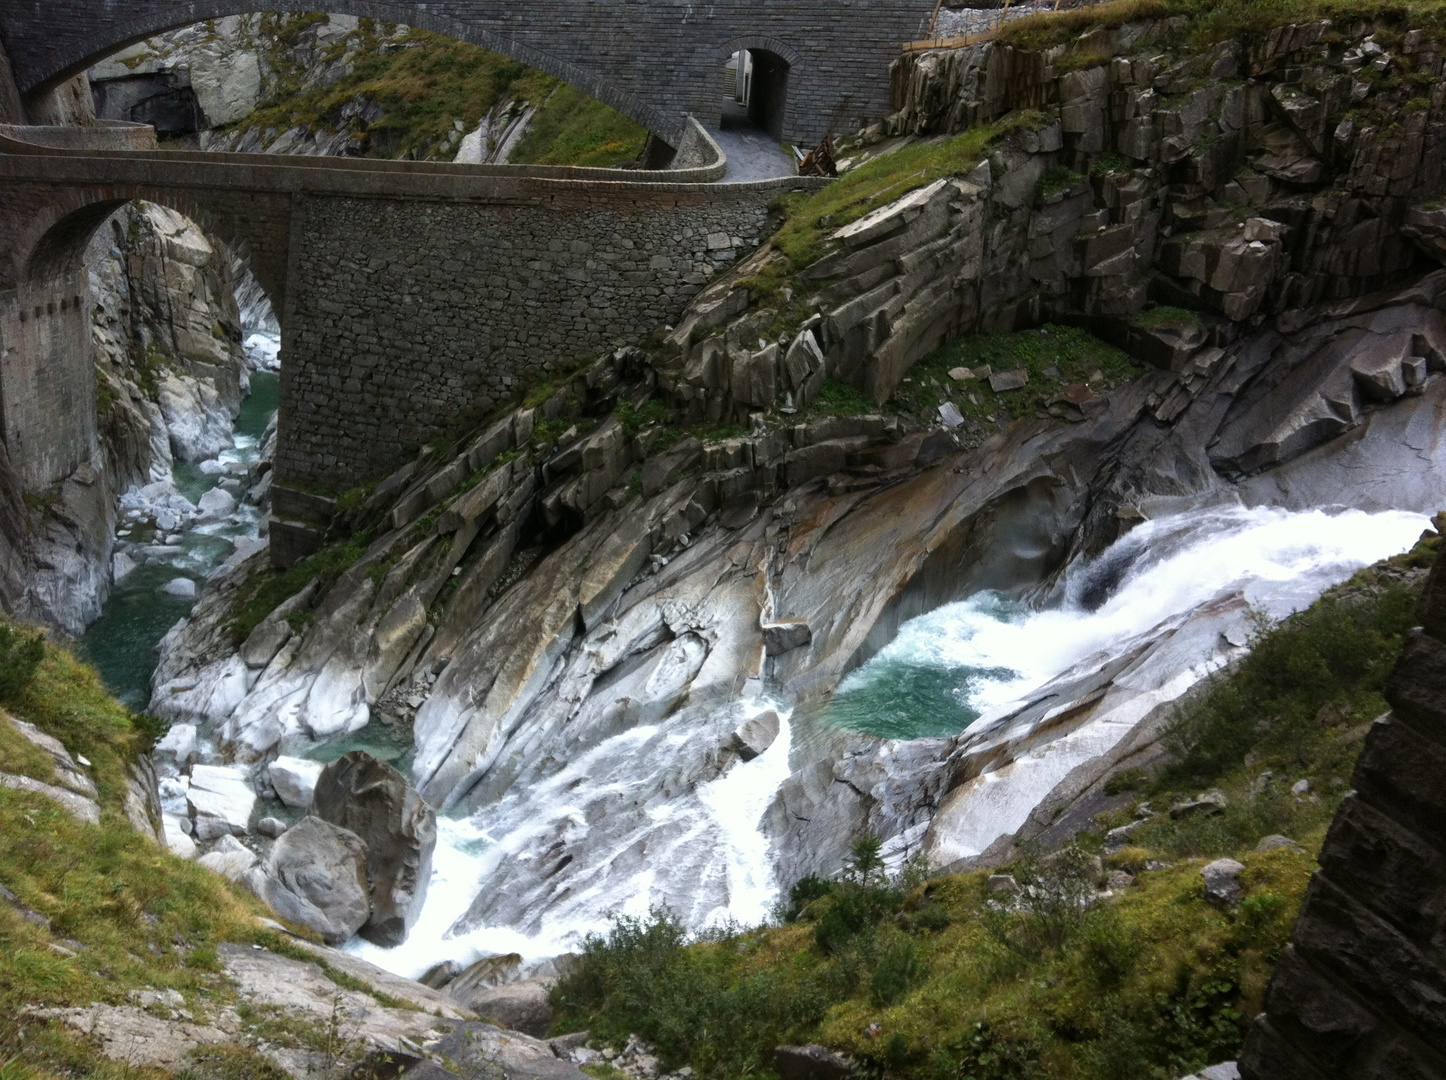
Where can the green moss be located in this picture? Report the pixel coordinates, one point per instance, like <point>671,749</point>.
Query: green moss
<point>1163,315</point>
<point>652,411</point>
<point>268,588</point>
<point>571,128</point>
<point>1057,180</point>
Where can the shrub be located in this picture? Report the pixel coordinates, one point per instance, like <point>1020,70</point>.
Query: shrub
<point>895,973</point>
<point>804,892</point>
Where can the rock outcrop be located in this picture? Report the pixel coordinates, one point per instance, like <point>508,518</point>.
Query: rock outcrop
<point>1359,990</point>
<point>374,801</point>
<point>316,875</point>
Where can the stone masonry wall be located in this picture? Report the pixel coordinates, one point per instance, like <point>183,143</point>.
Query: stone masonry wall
<point>417,319</point>
<point>654,61</point>
<point>47,381</point>
<point>1361,990</point>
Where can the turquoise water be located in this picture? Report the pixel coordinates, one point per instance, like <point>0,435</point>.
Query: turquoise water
<point>921,685</point>
<point>121,643</point>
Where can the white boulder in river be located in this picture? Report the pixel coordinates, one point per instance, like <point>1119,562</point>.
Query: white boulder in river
<point>182,587</point>
<point>220,801</point>
<point>216,503</point>
<point>294,779</point>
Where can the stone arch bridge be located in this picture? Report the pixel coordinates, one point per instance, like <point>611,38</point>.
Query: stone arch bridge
<point>654,60</point>
<point>413,298</point>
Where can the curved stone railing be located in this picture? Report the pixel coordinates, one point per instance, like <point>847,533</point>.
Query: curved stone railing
<point>103,135</point>
<point>698,143</point>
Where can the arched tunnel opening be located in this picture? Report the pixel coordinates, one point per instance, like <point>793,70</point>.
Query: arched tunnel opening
<point>755,92</point>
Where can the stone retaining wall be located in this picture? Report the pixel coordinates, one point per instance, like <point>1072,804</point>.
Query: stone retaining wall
<point>418,318</point>
<point>47,382</point>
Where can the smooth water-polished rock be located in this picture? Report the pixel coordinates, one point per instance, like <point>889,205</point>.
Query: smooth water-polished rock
<point>294,779</point>
<point>374,801</point>
<point>220,801</point>
<point>316,875</point>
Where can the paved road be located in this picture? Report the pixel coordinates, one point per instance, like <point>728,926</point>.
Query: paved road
<point>752,154</point>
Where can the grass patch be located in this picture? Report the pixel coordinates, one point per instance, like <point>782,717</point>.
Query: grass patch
<point>140,916</point>
<point>1054,356</point>
<point>1057,180</point>
<point>1164,315</point>
<point>571,128</point>
<point>425,84</point>
<point>268,588</point>
<point>66,698</point>
<point>879,182</point>
<point>1209,22</point>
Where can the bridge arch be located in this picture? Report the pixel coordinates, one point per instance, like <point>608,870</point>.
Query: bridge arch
<point>146,20</point>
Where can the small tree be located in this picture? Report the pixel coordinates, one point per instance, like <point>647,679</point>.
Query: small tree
<point>865,866</point>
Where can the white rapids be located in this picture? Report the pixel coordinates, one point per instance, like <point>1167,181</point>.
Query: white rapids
<point>1154,580</point>
<point>714,829</point>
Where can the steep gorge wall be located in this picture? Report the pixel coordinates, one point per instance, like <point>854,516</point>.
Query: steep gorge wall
<point>141,362</point>
<point>1250,180</point>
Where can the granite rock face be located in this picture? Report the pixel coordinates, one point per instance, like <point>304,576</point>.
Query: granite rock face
<point>1360,989</point>
<point>371,799</point>
<point>316,875</point>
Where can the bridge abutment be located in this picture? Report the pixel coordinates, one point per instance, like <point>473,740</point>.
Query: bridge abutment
<point>407,322</point>
<point>47,379</point>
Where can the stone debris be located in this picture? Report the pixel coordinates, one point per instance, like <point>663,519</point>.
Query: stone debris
<point>1275,841</point>
<point>1003,381</point>
<point>1210,802</point>
<point>294,779</point>
<point>812,1062</point>
<point>1222,881</point>
<point>229,858</point>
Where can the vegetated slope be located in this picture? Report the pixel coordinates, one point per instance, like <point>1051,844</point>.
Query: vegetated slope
<point>408,93</point>
<point>94,913</point>
<point>960,976</point>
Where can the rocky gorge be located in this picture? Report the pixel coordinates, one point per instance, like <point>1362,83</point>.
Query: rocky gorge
<point>1142,351</point>
<point>578,587</point>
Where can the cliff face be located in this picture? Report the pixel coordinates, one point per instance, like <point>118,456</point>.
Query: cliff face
<point>170,378</point>
<point>1359,990</point>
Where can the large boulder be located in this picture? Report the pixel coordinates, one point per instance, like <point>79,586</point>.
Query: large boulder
<point>518,1006</point>
<point>316,875</point>
<point>374,801</point>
